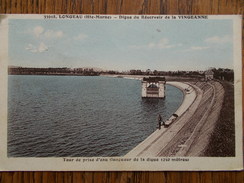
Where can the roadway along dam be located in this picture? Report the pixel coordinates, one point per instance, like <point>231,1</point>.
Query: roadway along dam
<point>190,133</point>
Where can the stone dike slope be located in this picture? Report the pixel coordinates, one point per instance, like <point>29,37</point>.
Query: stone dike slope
<point>189,134</point>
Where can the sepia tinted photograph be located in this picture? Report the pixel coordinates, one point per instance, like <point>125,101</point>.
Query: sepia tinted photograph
<point>123,88</point>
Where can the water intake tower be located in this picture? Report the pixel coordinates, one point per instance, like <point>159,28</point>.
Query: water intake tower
<point>153,87</point>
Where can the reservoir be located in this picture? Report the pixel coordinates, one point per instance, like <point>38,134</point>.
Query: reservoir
<point>81,116</point>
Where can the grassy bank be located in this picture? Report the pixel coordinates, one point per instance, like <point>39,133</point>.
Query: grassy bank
<point>222,141</point>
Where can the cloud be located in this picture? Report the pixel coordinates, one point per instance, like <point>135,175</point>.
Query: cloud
<point>218,39</point>
<point>161,44</point>
<point>42,47</point>
<point>53,34</point>
<point>29,47</point>
<point>209,42</point>
<point>196,48</point>
<point>164,43</point>
<point>81,36</point>
<point>37,49</point>
<point>38,30</point>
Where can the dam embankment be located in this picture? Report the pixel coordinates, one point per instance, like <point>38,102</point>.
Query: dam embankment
<point>189,134</point>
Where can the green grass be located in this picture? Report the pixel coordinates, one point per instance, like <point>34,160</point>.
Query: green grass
<point>222,141</point>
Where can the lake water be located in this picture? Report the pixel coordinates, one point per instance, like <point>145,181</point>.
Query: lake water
<point>81,116</point>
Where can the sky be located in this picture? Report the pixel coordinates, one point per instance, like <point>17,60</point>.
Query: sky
<point>122,44</point>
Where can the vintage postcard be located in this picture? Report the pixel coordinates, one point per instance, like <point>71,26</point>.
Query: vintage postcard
<point>120,92</point>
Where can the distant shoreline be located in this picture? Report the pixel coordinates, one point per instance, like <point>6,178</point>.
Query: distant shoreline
<point>138,77</point>
<point>55,74</point>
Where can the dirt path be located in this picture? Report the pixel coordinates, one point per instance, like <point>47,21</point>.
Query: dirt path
<point>202,136</point>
